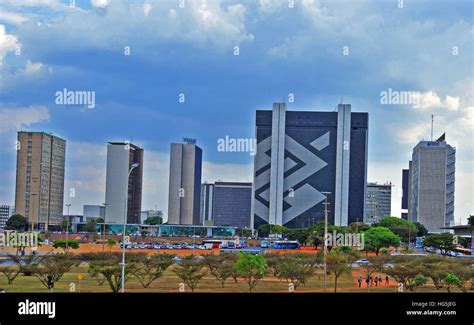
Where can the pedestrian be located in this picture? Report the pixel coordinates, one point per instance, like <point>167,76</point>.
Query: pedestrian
<point>359,280</point>
<point>367,281</point>
<point>371,281</point>
<point>386,280</point>
<point>380,279</point>
<point>376,281</point>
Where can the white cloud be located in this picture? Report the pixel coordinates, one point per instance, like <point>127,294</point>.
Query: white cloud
<point>146,8</point>
<point>33,67</point>
<point>8,42</point>
<point>100,3</point>
<point>12,17</point>
<point>14,119</point>
<point>430,100</point>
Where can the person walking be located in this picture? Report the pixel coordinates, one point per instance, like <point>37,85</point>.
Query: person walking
<point>359,280</point>
<point>376,281</point>
<point>367,281</point>
<point>386,280</point>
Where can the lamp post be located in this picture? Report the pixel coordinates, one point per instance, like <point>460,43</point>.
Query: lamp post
<point>134,165</point>
<point>326,203</point>
<point>67,224</point>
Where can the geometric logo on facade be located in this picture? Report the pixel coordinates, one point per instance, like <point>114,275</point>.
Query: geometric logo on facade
<point>302,196</point>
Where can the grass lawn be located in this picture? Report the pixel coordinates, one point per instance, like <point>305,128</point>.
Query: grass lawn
<point>169,282</point>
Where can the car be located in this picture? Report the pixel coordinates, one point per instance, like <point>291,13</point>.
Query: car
<point>363,261</point>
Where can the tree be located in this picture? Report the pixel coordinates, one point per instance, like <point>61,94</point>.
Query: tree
<point>251,268</point>
<point>243,232</point>
<point>422,231</point>
<point>337,263</point>
<point>273,261</point>
<point>297,268</point>
<point>111,242</point>
<point>220,266</point>
<point>378,237</point>
<point>10,272</point>
<point>91,226</point>
<point>106,265</point>
<point>113,274</point>
<point>153,220</point>
<point>300,234</point>
<point>150,268</point>
<point>443,241</point>
<point>266,230</point>
<point>190,271</point>
<point>53,267</point>
<point>418,281</point>
<point>435,267</point>
<point>357,227</point>
<point>376,264</point>
<point>66,244</point>
<point>405,270</point>
<point>316,239</point>
<point>404,229</point>
<point>452,280</point>
<point>17,222</point>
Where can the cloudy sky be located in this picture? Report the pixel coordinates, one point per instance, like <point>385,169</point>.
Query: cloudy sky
<point>229,58</point>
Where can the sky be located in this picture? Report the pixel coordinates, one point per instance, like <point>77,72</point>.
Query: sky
<point>164,70</point>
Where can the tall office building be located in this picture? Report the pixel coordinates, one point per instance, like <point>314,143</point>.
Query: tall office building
<point>40,178</point>
<point>299,156</point>
<point>226,204</point>
<point>185,184</point>
<point>6,212</point>
<point>432,184</point>
<point>406,191</point>
<point>378,202</point>
<point>207,203</point>
<point>119,187</point>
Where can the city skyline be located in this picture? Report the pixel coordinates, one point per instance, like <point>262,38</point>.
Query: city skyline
<point>139,95</point>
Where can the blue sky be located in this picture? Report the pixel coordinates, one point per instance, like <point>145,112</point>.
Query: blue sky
<point>190,50</point>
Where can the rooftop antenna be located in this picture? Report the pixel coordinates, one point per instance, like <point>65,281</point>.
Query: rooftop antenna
<point>432,121</point>
<point>342,98</point>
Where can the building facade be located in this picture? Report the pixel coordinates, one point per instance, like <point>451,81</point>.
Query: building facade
<point>6,212</point>
<point>207,203</point>
<point>304,156</point>
<point>119,186</point>
<point>185,184</point>
<point>91,212</point>
<point>432,176</point>
<point>378,202</point>
<point>226,204</point>
<point>39,194</point>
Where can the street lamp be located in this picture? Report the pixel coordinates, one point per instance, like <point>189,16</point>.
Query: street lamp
<point>134,165</point>
<point>67,224</point>
<point>326,203</point>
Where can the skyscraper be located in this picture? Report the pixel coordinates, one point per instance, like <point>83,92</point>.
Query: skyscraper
<point>185,184</point>
<point>432,184</point>
<point>40,178</point>
<point>226,204</point>
<point>6,212</point>
<point>119,187</point>
<point>299,156</point>
<point>378,202</point>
